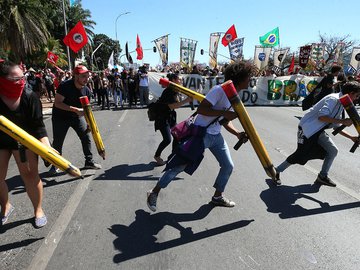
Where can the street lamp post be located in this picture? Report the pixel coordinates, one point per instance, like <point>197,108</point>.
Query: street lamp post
<point>116,39</point>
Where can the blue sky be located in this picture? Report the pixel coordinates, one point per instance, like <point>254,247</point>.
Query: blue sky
<point>299,22</point>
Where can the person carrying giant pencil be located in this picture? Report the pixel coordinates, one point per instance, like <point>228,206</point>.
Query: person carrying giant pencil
<point>215,107</point>
<point>313,141</point>
<point>22,106</point>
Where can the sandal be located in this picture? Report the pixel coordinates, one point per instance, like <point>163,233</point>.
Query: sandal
<point>5,218</point>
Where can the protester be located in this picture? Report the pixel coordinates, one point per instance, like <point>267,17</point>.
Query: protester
<point>20,105</point>
<point>67,112</point>
<point>313,141</point>
<point>143,86</point>
<point>215,105</point>
<point>103,92</point>
<point>49,83</point>
<point>166,117</point>
<point>133,84</point>
<point>118,91</point>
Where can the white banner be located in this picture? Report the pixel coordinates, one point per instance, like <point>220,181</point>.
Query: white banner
<point>285,90</point>
<point>261,56</point>
<point>279,56</point>
<point>236,49</point>
<point>355,58</point>
<point>162,46</point>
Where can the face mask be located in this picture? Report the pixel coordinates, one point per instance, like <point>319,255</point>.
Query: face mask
<point>11,89</point>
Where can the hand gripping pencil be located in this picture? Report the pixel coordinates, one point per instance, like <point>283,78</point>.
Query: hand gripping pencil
<point>37,147</point>
<point>181,89</point>
<point>249,128</point>
<point>354,116</point>
<point>90,119</point>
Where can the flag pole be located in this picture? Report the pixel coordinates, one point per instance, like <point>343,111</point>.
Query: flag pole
<point>66,32</point>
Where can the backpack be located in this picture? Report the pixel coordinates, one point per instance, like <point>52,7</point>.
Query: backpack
<point>153,110</point>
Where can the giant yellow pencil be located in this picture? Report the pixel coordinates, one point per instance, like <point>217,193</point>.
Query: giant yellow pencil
<point>37,147</point>
<point>181,89</point>
<point>249,128</point>
<point>90,119</point>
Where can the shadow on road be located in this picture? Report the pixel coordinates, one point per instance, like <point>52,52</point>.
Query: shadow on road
<point>19,244</point>
<point>139,238</point>
<point>16,185</point>
<point>125,171</point>
<point>282,200</point>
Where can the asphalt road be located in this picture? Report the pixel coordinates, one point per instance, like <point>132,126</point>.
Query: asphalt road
<point>102,221</point>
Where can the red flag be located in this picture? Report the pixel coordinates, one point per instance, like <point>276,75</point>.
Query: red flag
<point>52,57</point>
<point>292,64</point>
<point>229,36</point>
<point>76,38</point>
<point>139,49</point>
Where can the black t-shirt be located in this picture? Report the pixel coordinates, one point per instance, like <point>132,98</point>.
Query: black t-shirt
<point>28,116</point>
<point>165,115</point>
<point>71,97</point>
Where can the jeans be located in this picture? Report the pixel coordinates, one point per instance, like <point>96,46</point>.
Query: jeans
<point>331,152</point>
<point>218,146</point>
<point>61,126</point>
<point>166,134</point>
<point>118,96</point>
<point>144,95</point>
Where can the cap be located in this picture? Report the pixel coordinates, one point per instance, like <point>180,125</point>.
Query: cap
<point>31,70</point>
<point>2,60</point>
<point>80,69</point>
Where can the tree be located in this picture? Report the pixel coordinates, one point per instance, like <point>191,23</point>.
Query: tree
<point>108,46</point>
<point>22,27</point>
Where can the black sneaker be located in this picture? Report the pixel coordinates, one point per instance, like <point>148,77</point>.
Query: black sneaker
<point>324,180</point>
<point>222,201</point>
<point>92,165</point>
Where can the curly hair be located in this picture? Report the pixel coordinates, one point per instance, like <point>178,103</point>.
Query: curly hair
<point>239,71</point>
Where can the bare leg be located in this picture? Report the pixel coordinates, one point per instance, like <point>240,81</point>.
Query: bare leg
<point>4,191</point>
<point>30,174</point>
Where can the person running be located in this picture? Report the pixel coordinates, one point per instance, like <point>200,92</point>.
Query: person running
<point>166,118</point>
<point>313,141</point>
<point>22,106</point>
<point>67,112</point>
<point>215,105</point>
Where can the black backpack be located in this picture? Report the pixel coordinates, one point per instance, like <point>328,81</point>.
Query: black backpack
<point>153,110</point>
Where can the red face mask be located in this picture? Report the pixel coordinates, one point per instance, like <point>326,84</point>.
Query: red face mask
<point>11,89</point>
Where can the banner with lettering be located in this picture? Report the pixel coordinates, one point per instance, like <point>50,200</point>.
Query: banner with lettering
<point>187,52</point>
<point>236,49</point>
<point>304,55</point>
<point>284,90</point>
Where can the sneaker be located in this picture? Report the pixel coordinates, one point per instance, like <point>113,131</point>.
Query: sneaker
<point>222,201</point>
<point>53,170</point>
<point>92,165</point>
<point>159,161</point>
<point>277,180</point>
<point>324,180</point>
<point>151,200</point>
<point>40,222</point>
<point>5,218</point>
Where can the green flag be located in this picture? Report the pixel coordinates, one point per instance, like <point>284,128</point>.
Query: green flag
<point>270,39</point>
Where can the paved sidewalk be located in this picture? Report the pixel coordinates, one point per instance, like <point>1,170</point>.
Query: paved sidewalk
<point>46,105</point>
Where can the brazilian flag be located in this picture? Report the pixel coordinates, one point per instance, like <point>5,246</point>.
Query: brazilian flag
<point>271,38</point>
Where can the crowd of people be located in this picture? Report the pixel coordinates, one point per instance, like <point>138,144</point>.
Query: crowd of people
<point>20,102</point>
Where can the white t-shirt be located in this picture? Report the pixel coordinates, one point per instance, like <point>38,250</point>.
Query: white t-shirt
<point>216,96</point>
